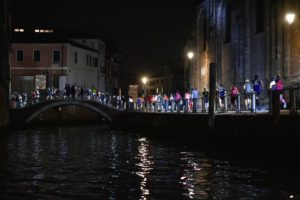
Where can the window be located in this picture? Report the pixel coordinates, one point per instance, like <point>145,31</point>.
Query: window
<point>103,69</point>
<point>75,57</point>
<point>90,60</point>
<point>56,56</point>
<point>20,55</point>
<point>87,60</point>
<point>96,62</point>
<point>36,55</point>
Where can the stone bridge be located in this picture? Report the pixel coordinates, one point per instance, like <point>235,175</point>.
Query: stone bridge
<point>26,115</point>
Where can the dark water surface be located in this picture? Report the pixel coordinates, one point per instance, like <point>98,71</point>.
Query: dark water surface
<point>90,162</point>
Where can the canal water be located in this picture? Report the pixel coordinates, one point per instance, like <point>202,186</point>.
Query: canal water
<point>93,162</point>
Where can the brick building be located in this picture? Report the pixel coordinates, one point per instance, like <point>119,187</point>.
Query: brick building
<point>50,58</point>
<point>244,38</point>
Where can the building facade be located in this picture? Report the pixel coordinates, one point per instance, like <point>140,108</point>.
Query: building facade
<point>244,38</point>
<point>45,58</point>
<point>4,62</point>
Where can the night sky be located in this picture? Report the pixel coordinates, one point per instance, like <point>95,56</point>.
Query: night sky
<point>150,33</point>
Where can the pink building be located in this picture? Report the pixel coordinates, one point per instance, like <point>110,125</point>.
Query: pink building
<point>49,58</point>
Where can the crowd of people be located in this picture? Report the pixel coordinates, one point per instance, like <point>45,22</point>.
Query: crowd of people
<point>189,101</point>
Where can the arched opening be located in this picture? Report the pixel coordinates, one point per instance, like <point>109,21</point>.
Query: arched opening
<point>69,112</point>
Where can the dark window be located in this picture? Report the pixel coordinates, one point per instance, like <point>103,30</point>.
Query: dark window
<point>103,69</point>
<point>259,16</point>
<point>56,56</point>
<point>90,60</point>
<point>20,55</point>
<point>228,24</point>
<point>75,57</point>
<point>87,60</point>
<point>96,62</point>
<point>36,55</point>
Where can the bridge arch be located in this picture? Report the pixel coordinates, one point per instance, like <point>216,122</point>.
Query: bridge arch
<point>86,104</point>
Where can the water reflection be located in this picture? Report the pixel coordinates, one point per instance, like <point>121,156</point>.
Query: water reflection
<point>145,165</point>
<point>94,163</point>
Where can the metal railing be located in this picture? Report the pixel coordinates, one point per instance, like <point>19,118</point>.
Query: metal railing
<point>290,95</point>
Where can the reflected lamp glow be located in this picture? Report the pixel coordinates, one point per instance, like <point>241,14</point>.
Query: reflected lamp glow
<point>190,55</point>
<point>290,17</point>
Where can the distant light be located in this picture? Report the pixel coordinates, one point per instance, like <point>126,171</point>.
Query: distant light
<point>291,196</point>
<point>190,55</point>
<point>144,80</point>
<point>18,30</point>
<point>290,17</point>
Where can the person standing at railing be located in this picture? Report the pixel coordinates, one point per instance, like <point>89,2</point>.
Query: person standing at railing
<point>279,87</point>
<point>234,92</point>
<point>166,102</point>
<point>195,96</point>
<point>172,100</point>
<point>247,90</point>
<point>205,95</point>
<point>178,100</point>
<point>221,97</point>
<point>187,97</point>
<point>257,87</point>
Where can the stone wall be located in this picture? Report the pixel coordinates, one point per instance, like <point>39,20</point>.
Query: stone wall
<point>253,39</point>
<point>4,67</point>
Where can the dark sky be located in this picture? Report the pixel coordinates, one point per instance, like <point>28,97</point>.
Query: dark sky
<point>150,33</point>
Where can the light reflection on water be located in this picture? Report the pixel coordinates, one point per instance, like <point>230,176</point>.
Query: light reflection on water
<point>92,163</point>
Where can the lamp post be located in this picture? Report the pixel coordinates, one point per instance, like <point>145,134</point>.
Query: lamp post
<point>144,81</point>
<point>190,56</point>
<point>290,18</point>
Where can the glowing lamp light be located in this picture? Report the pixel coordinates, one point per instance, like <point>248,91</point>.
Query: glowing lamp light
<point>144,80</point>
<point>190,55</point>
<point>290,17</point>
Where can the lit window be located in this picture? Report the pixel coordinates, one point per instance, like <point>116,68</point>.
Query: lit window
<point>36,30</point>
<point>21,30</point>
<point>51,31</point>
<point>46,31</point>
<point>42,31</point>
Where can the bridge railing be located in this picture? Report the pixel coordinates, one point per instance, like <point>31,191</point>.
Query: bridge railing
<point>290,95</point>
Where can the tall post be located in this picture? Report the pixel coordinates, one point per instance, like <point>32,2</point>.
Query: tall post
<point>212,89</point>
<point>4,61</point>
<point>292,101</point>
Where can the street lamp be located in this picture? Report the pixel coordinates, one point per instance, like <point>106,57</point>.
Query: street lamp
<point>190,56</point>
<point>290,17</point>
<point>144,81</point>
